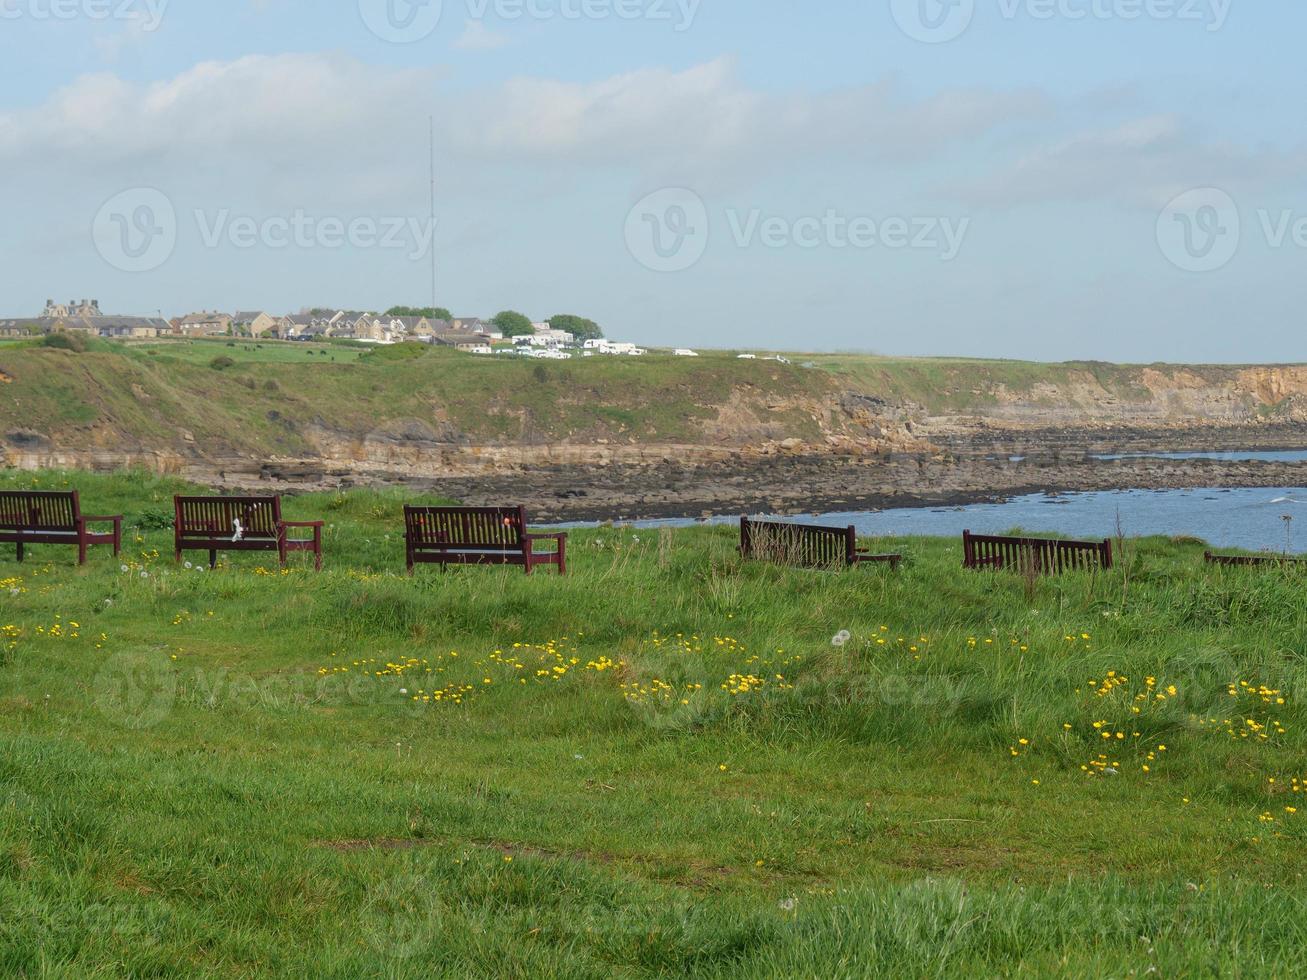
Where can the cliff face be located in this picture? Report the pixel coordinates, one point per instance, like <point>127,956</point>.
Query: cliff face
<point>433,415</point>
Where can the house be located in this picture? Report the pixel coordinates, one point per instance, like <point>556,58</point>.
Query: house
<point>254,324</point>
<point>129,327</point>
<point>345,323</point>
<point>296,326</point>
<point>86,307</point>
<point>19,328</point>
<point>376,329</point>
<point>463,340</point>
<point>205,325</point>
<point>415,327</point>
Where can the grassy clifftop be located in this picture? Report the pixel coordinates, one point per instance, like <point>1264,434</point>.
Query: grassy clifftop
<point>269,398</point>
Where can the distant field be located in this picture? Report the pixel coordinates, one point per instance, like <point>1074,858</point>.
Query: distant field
<point>659,765</point>
<point>250,351</point>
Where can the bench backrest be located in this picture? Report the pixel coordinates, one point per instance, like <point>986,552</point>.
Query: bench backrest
<point>797,544</point>
<point>213,517</point>
<point>1043,554</point>
<point>479,528</point>
<point>39,510</point>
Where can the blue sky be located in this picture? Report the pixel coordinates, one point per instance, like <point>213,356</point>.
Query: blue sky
<point>1052,179</point>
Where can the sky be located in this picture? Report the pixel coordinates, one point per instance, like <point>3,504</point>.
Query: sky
<point>1119,180</point>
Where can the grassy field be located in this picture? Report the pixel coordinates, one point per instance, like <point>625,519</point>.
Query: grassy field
<point>203,351</point>
<point>661,765</point>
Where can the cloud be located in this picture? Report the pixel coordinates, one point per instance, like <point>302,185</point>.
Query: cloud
<point>331,113</point>
<point>1139,163</point>
<point>704,117</point>
<point>477,37</point>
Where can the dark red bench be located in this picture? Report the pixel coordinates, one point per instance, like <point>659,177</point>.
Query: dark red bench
<point>807,545</point>
<point>210,524</point>
<point>1047,556</point>
<point>1252,561</point>
<point>53,517</point>
<point>477,536</point>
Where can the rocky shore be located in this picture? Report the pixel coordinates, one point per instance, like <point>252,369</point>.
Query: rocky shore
<point>691,482</point>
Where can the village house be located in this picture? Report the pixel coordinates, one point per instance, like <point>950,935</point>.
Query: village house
<point>129,327</point>
<point>254,324</point>
<point>85,307</point>
<point>296,326</point>
<point>205,325</point>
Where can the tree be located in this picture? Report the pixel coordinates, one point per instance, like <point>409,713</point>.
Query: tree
<point>428,312</point>
<point>514,324</point>
<point>578,326</point>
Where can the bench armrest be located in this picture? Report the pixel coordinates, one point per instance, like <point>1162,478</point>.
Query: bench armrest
<point>116,519</point>
<point>303,523</point>
<point>545,537</point>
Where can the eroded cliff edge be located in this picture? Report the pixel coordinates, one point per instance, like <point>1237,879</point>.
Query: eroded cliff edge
<point>656,437</point>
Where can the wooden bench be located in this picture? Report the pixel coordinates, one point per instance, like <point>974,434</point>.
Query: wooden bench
<point>1252,561</point>
<point>216,524</point>
<point>45,517</point>
<point>1044,555</point>
<point>806,545</point>
<point>477,536</point>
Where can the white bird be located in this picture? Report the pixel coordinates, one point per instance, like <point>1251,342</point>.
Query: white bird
<point>240,531</point>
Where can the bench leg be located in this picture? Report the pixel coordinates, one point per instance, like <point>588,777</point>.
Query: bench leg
<point>20,552</point>
<point>213,560</point>
<point>81,550</point>
<point>562,557</point>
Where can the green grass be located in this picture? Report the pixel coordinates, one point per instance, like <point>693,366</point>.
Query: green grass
<point>217,773</point>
